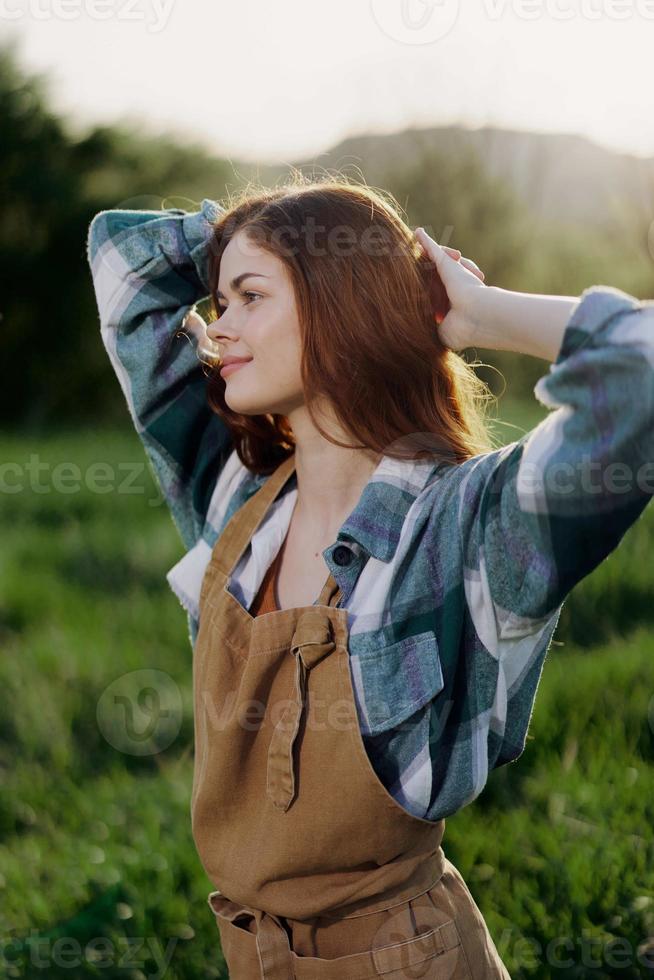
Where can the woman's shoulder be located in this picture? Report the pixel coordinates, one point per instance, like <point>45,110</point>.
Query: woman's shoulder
<point>235,485</point>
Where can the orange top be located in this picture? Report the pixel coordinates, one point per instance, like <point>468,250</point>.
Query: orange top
<point>266,598</point>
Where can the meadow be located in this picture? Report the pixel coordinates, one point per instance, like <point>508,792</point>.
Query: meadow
<point>98,871</point>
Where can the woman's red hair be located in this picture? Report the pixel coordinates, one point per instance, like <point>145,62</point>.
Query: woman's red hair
<point>366,295</point>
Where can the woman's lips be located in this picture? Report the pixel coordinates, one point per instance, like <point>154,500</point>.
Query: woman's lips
<point>234,366</point>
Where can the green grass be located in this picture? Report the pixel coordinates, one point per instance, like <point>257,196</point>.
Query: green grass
<point>95,838</point>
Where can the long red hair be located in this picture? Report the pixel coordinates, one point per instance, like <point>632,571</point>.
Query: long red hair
<point>365,294</point>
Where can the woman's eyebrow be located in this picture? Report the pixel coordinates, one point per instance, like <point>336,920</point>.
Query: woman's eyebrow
<point>236,282</point>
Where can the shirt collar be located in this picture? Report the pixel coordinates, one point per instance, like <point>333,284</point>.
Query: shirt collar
<point>377,520</point>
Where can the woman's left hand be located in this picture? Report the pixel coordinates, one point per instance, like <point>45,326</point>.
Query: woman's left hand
<point>456,285</point>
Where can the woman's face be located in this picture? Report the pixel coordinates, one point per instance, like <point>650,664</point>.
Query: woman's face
<point>258,320</point>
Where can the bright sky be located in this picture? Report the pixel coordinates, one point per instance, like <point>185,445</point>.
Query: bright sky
<point>281,80</point>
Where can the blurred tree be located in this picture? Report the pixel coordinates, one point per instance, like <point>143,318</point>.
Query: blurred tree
<point>56,369</point>
<point>459,204</point>
<point>40,214</point>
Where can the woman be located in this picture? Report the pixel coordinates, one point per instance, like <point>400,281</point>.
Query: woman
<point>371,586</point>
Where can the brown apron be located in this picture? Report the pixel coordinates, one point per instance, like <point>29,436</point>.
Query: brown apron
<point>320,873</point>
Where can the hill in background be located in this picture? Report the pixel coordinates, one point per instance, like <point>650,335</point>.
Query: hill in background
<point>561,178</point>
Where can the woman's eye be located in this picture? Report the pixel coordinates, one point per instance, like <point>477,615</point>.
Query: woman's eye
<point>221,309</point>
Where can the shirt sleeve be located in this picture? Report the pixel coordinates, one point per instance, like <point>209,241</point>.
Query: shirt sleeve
<point>541,513</point>
<point>149,268</point>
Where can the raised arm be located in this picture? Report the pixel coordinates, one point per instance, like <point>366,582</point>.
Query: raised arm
<point>550,507</point>
<point>543,512</point>
<point>149,268</point>
<point>535,517</point>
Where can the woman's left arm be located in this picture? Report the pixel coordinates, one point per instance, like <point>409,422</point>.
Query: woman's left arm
<point>543,512</point>
<point>526,323</point>
<point>556,503</point>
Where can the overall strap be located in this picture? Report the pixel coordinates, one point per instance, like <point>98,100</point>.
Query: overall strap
<point>239,529</point>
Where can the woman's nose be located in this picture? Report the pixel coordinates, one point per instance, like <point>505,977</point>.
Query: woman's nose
<point>218,329</point>
<point>215,332</point>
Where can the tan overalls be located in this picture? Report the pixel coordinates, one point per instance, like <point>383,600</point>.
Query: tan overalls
<point>320,873</point>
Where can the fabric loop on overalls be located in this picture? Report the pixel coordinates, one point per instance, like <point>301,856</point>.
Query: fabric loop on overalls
<point>273,948</point>
<point>312,641</point>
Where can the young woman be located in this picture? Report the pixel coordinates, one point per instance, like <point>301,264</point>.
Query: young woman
<point>371,586</point>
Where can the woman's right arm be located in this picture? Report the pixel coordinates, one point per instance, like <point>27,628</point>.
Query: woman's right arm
<point>149,268</point>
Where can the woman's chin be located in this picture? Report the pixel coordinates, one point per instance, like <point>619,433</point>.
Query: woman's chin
<point>248,399</point>
<point>240,402</point>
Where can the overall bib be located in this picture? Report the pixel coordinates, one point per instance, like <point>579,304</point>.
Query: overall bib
<point>319,872</point>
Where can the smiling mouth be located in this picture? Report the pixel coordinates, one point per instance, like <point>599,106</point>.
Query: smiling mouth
<point>227,369</point>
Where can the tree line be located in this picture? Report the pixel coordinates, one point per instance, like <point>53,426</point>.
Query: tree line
<point>54,368</point>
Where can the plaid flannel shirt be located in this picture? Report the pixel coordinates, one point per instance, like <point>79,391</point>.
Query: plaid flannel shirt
<point>459,571</point>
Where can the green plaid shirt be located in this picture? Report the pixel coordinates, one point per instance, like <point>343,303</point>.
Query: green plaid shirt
<point>457,572</point>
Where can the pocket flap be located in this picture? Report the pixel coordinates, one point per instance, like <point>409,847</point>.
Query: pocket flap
<point>398,679</point>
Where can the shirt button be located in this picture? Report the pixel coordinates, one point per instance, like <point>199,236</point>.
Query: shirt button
<point>342,555</point>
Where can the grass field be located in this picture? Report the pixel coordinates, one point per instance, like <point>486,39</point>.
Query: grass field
<point>98,872</point>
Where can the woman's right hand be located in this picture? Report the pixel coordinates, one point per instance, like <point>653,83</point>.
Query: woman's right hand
<point>462,279</point>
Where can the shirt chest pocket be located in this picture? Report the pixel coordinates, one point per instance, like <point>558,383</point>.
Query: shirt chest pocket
<point>396,680</point>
